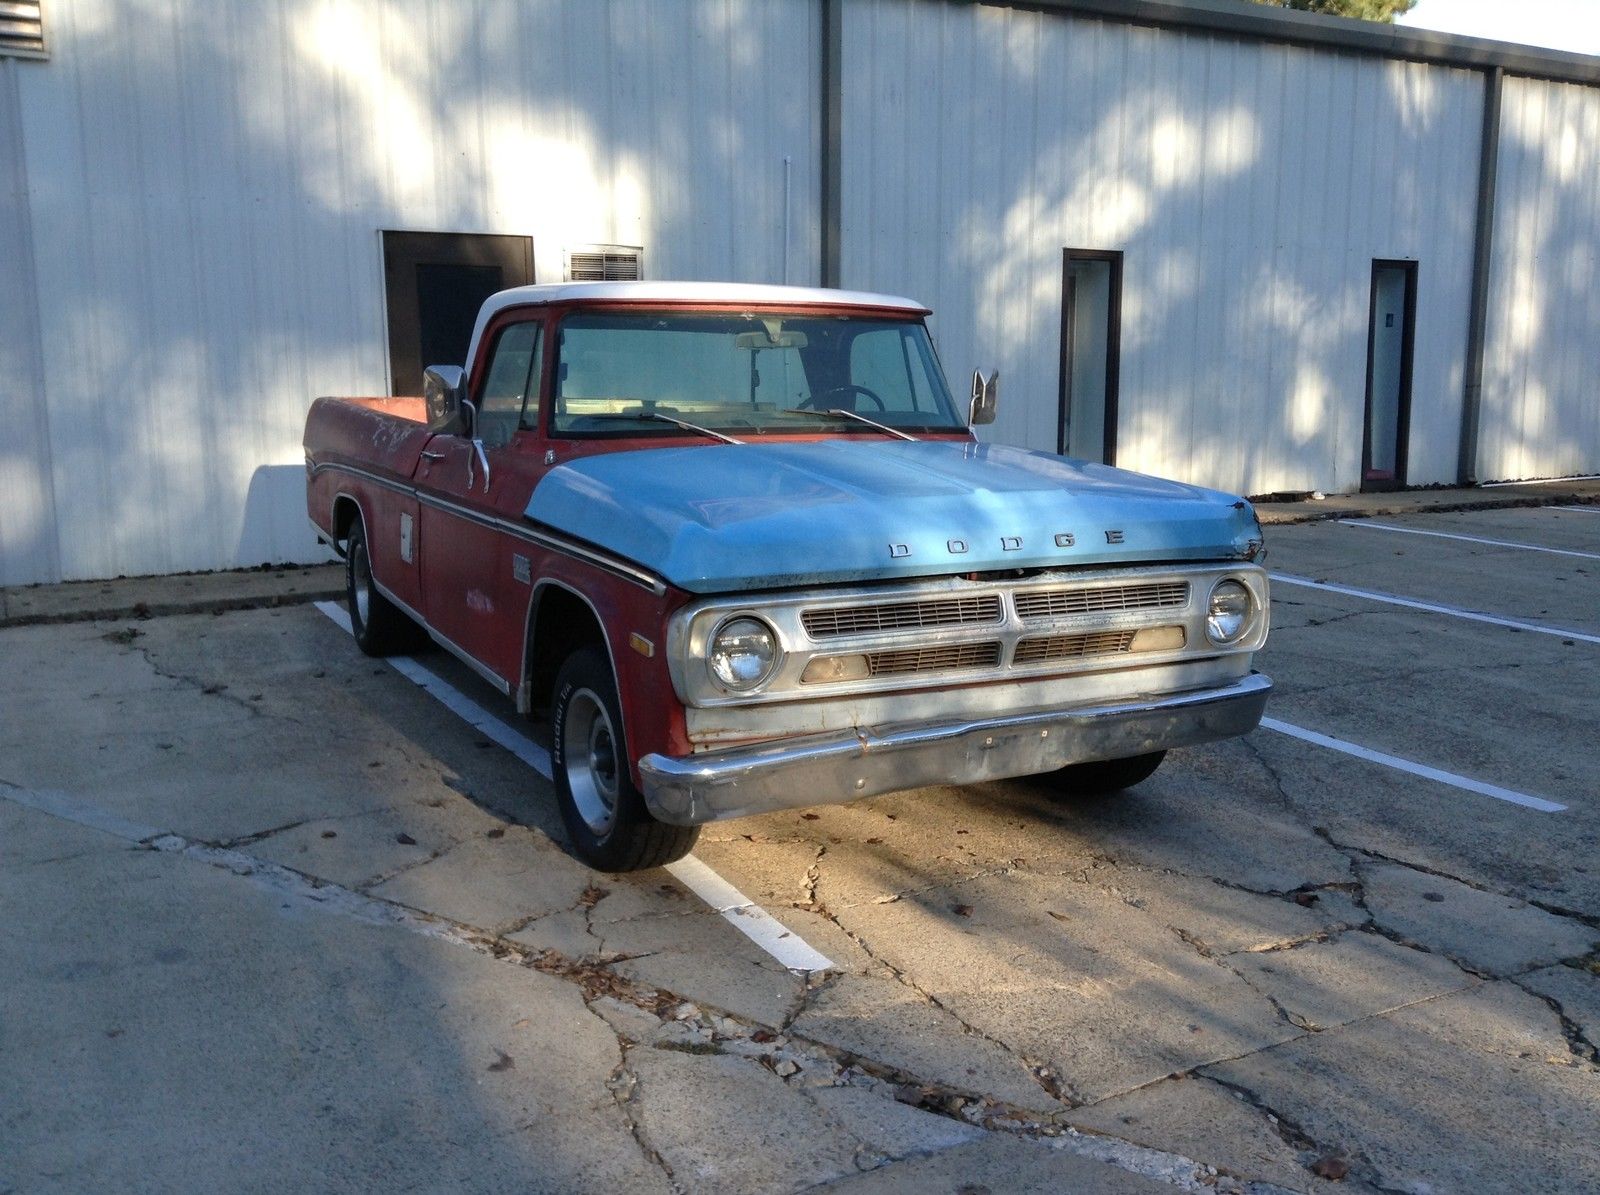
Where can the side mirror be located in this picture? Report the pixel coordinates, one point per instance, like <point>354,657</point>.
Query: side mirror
<point>985,397</point>
<point>441,396</point>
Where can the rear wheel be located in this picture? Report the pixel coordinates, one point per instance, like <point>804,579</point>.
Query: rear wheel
<point>605,815</point>
<point>1103,776</point>
<point>379,627</point>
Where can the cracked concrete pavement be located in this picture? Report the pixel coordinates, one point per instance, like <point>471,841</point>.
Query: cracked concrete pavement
<point>275,913</point>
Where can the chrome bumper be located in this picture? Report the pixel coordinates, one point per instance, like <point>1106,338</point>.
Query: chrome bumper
<point>834,768</point>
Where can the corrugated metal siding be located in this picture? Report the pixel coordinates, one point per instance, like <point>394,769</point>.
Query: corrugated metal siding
<point>1250,187</point>
<point>1541,396</point>
<point>27,509</point>
<point>207,182</point>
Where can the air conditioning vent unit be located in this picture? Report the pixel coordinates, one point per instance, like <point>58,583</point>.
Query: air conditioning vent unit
<point>22,29</point>
<point>605,263</point>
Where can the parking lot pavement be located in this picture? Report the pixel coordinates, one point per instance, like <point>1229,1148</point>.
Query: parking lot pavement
<point>277,912</point>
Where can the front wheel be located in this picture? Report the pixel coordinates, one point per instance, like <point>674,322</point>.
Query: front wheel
<point>605,815</point>
<point>1103,776</point>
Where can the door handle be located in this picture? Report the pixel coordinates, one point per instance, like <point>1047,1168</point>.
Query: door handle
<point>433,456</point>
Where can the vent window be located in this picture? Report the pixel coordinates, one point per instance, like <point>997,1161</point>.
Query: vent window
<point>21,29</point>
<point>605,263</point>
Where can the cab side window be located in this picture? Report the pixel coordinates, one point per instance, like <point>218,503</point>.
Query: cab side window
<point>510,397</point>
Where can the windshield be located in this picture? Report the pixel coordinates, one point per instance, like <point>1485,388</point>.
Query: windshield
<point>619,372</point>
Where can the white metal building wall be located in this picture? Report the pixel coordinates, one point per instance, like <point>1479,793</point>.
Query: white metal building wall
<point>27,505</point>
<point>206,183</point>
<point>1249,185</point>
<point>1541,392</point>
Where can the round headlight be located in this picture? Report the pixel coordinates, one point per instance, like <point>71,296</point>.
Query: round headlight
<point>743,653</point>
<point>1229,614</point>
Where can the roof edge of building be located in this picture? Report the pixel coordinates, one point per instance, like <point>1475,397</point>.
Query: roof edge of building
<point>1257,22</point>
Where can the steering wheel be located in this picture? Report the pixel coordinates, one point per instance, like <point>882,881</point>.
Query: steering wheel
<point>816,403</point>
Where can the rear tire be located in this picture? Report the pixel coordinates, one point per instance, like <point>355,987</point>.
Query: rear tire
<point>1104,776</point>
<point>379,626</point>
<point>607,821</point>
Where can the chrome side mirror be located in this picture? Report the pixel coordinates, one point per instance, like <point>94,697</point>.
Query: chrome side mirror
<point>442,398</point>
<point>985,397</point>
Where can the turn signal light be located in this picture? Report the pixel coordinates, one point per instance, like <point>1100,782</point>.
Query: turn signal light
<point>826,669</point>
<point>1158,639</point>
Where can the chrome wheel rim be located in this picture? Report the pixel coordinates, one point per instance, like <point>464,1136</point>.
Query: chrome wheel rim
<point>589,746</point>
<point>361,583</point>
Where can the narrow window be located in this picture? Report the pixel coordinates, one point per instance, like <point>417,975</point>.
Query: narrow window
<point>1091,346</point>
<point>1390,342</point>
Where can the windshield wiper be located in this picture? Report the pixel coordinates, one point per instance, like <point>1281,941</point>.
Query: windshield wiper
<point>840,413</point>
<point>658,417</point>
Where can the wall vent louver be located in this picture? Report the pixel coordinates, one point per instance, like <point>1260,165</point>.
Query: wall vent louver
<point>22,29</point>
<point>605,263</point>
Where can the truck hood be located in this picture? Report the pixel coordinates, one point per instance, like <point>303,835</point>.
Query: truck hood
<point>732,518</point>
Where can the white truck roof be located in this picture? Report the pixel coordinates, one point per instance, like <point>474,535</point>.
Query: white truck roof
<point>681,292</point>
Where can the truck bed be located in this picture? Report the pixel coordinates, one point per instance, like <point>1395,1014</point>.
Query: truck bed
<point>385,435</point>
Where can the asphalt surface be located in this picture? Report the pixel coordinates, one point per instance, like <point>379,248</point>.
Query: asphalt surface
<point>276,917</point>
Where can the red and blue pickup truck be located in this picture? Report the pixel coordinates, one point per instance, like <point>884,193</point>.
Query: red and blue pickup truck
<point>742,547</point>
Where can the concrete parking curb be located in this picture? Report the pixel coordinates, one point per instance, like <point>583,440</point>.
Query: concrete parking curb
<point>1405,502</point>
<point>182,593</point>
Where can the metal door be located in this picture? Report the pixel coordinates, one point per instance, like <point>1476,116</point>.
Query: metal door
<point>1390,341</point>
<point>1091,334</point>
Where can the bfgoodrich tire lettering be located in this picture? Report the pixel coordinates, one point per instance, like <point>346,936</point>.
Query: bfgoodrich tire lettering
<point>605,815</point>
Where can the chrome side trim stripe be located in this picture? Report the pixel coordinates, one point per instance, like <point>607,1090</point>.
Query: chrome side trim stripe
<point>611,564</point>
<point>601,560</point>
<point>377,479</point>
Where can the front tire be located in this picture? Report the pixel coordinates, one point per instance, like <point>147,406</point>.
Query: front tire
<point>379,627</point>
<point>1103,777</point>
<point>605,815</point>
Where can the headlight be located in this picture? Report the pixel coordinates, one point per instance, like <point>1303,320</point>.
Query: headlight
<point>1229,613</point>
<point>743,653</point>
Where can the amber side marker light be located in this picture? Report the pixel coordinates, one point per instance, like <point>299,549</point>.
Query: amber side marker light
<point>835,668</point>
<point>1158,639</point>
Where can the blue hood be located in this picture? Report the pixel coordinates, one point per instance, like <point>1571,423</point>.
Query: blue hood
<point>732,518</point>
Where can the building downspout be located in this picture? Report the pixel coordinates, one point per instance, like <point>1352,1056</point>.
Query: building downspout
<point>1482,250</point>
<point>832,118</point>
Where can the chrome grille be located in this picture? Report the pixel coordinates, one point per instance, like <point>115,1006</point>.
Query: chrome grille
<point>944,658</point>
<point>1053,603</point>
<point>896,616</point>
<point>1073,647</point>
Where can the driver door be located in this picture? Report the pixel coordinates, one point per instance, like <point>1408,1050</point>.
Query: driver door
<point>473,595</point>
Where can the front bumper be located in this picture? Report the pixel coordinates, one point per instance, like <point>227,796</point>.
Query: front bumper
<point>834,768</point>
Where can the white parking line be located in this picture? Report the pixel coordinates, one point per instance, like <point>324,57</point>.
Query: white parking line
<point>749,918</point>
<point>754,922</point>
<point>1416,769</point>
<point>1583,510</point>
<point>1470,539</point>
<point>1431,607</point>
